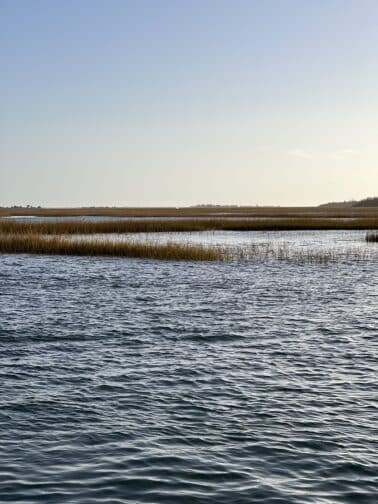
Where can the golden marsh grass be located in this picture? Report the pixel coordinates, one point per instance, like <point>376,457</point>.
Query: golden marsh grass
<point>60,245</point>
<point>66,245</point>
<point>186,225</point>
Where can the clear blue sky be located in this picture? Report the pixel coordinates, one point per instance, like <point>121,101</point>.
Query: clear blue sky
<point>173,102</point>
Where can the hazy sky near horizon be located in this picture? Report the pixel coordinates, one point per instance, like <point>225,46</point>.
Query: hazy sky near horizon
<point>173,102</point>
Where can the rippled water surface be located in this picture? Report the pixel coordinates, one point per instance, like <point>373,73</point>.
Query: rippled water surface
<point>130,381</point>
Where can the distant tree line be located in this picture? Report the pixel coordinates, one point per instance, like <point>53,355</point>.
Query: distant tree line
<point>367,202</point>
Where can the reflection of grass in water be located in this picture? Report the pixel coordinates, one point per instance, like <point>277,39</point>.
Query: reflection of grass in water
<point>372,237</point>
<point>62,245</point>
<point>172,226</point>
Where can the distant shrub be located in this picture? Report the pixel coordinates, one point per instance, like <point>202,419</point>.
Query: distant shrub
<point>372,236</point>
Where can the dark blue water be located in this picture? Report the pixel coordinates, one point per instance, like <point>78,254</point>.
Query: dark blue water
<point>127,381</point>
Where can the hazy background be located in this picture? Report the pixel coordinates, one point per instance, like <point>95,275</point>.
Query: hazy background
<point>167,102</point>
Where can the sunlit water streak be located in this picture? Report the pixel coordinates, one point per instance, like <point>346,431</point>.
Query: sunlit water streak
<point>130,381</point>
<point>324,238</point>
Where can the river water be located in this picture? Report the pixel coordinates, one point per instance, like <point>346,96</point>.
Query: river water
<point>133,381</point>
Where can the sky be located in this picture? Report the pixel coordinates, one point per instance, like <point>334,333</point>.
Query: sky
<point>175,103</point>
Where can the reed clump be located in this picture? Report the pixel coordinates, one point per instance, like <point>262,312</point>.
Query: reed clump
<point>178,226</point>
<point>265,252</point>
<point>60,245</point>
<point>372,237</point>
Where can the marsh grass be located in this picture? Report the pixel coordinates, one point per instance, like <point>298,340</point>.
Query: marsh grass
<point>60,245</point>
<point>177,226</point>
<point>265,252</point>
<point>262,252</point>
<point>372,237</point>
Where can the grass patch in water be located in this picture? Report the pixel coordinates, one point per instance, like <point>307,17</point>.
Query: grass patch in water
<point>58,245</point>
<point>262,252</point>
<point>265,252</point>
